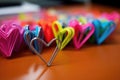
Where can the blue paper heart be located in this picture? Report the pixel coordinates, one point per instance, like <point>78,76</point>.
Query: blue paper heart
<point>37,32</point>
<point>103,30</point>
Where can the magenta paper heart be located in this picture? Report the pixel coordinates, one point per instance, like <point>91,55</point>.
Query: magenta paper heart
<point>80,33</point>
<point>20,41</point>
<point>114,16</point>
<point>8,38</point>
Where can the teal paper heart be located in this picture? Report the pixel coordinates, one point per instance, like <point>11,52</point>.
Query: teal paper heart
<point>102,30</point>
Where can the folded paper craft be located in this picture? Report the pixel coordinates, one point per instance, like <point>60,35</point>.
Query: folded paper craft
<point>103,30</point>
<point>82,32</point>
<point>30,34</point>
<point>8,39</point>
<point>64,34</point>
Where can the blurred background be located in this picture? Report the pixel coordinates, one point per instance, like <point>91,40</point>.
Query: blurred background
<point>47,3</point>
<point>23,6</point>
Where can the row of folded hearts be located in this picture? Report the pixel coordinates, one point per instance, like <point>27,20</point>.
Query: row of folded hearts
<point>12,36</point>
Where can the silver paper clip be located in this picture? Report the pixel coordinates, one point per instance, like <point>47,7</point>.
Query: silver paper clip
<point>57,49</point>
<point>30,34</point>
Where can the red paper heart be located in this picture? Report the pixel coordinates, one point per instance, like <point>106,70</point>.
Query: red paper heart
<point>46,26</point>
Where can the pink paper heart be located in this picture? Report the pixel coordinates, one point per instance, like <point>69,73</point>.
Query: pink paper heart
<point>20,42</point>
<point>114,16</point>
<point>8,38</point>
<point>80,30</point>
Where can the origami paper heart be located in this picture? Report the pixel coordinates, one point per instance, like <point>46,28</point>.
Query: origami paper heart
<point>64,34</point>
<point>20,42</point>
<point>56,27</point>
<point>55,52</point>
<point>30,34</point>
<point>80,33</point>
<point>114,16</point>
<point>103,30</point>
<point>46,26</point>
<point>8,38</point>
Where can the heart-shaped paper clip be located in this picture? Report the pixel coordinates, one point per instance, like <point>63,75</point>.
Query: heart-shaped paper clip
<point>54,54</point>
<point>80,33</point>
<point>30,34</point>
<point>64,34</point>
<point>103,30</point>
<point>8,39</point>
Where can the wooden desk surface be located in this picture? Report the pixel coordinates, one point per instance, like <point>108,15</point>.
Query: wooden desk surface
<point>91,62</point>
